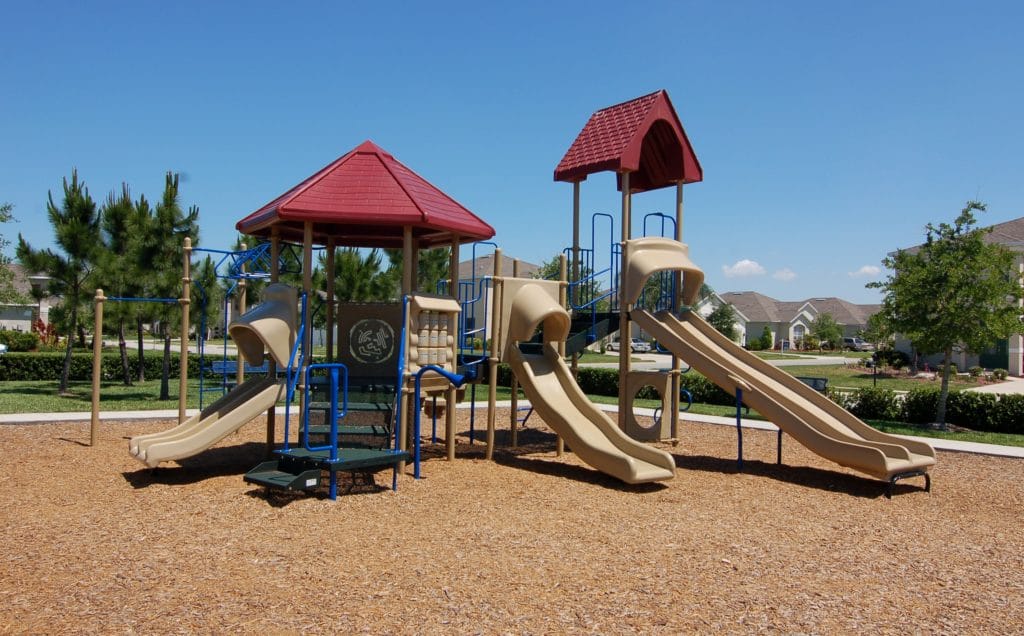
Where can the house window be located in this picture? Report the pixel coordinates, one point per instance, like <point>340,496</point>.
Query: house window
<point>798,333</point>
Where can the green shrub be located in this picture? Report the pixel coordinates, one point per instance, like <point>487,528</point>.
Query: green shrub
<point>999,374</point>
<point>47,366</point>
<point>920,405</point>
<point>975,371</point>
<point>971,409</point>
<point>892,358</point>
<point>874,403</point>
<point>19,340</point>
<point>1009,416</point>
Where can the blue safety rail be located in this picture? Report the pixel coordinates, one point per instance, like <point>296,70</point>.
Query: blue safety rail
<point>595,286</point>
<point>337,373</point>
<point>456,379</point>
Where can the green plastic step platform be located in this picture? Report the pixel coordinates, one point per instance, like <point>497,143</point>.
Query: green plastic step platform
<point>270,475</point>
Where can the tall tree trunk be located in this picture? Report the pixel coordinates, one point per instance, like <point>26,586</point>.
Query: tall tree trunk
<point>165,374</point>
<point>940,417</point>
<point>122,346</point>
<point>141,376</point>
<point>65,373</point>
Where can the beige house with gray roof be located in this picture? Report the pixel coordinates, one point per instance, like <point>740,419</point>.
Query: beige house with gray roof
<point>790,321</point>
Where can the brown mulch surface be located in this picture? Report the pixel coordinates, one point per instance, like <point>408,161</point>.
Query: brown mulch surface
<point>529,543</point>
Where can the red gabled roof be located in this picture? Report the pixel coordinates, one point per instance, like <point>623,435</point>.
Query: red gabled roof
<point>642,136</point>
<point>364,199</point>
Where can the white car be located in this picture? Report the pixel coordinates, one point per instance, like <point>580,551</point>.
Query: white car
<point>636,345</point>
<point>3,348</point>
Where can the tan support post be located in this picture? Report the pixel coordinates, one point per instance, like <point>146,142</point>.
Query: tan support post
<point>404,389</point>
<point>307,333</point>
<point>624,331</point>
<point>97,367</point>
<point>563,290</point>
<point>331,318</point>
<point>514,384</point>
<point>453,329</point>
<point>275,276</point>
<point>185,301</point>
<point>492,361</point>
<point>240,303</point>
<point>574,298</point>
<point>676,302</point>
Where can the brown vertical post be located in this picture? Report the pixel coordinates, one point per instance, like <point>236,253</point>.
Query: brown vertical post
<point>495,355</point>
<point>624,331</point>
<point>185,301</point>
<point>331,318</point>
<point>239,362</point>
<point>275,276</point>
<point>97,367</point>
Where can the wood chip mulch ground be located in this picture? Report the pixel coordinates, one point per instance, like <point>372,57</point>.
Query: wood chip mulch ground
<point>530,543</point>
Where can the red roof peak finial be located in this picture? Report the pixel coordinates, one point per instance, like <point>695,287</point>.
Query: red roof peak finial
<point>368,147</point>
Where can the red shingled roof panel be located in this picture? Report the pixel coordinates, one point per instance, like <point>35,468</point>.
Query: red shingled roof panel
<point>642,136</point>
<point>368,187</point>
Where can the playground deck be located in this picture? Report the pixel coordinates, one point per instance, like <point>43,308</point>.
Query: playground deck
<point>528,543</point>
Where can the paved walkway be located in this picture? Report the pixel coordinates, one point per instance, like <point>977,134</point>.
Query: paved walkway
<point>1012,386</point>
<point>939,444</point>
<point>654,361</point>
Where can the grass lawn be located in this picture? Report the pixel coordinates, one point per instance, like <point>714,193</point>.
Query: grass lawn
<point>769,355</point>
<point>858,378</point>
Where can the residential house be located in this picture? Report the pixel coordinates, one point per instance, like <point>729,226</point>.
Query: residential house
<point>19,316</point>
<point>790,321</point>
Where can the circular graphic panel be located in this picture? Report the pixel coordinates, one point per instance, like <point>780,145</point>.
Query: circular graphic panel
<point>371,341</point>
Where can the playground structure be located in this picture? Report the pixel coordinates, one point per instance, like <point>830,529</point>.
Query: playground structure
<point>366,198</point>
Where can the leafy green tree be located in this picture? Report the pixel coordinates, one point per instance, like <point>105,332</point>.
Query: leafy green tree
<point>162,251</point>
<point>584,292</point>
<point>953,291</point>
<point>827,330</point>
<point>76,227</point>
<point>8,293</point>
<point>431,268</point>
<point>766,338</point>
<point>723,319</point>
<point>118,272</point>
<point>359,276</point>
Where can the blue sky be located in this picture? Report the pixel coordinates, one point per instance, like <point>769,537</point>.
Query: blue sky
<point>829,133</point>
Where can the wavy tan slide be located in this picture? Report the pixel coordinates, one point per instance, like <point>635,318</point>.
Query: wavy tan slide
<point>268,326</point>
<point>225,416</point>
<point>812,419</point>
<point>554,394</point>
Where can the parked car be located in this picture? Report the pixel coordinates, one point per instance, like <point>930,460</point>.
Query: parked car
<point>857,344</point>
<point>636,345</point>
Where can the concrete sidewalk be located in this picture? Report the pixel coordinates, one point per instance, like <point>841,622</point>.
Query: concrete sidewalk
<point>689,418</point>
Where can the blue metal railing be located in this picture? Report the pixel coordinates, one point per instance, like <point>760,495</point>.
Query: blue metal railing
<point>294,371</point>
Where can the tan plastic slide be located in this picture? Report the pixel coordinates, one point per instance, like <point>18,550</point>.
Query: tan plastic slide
<point>555,396</point>
<point>225,416</point>
<point>269,326</point>
<point>812,419</point>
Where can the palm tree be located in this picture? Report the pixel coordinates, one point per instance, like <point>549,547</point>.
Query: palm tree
<point>76,226</point>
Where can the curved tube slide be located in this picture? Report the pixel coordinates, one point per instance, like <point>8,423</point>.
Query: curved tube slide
<point>812,419</point>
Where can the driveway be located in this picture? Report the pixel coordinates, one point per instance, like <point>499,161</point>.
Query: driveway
<point>1012,386</point>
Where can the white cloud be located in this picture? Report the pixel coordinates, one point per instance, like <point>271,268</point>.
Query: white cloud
<point>785,275</point>
<point>866,271</point>
<point>745,267</point>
